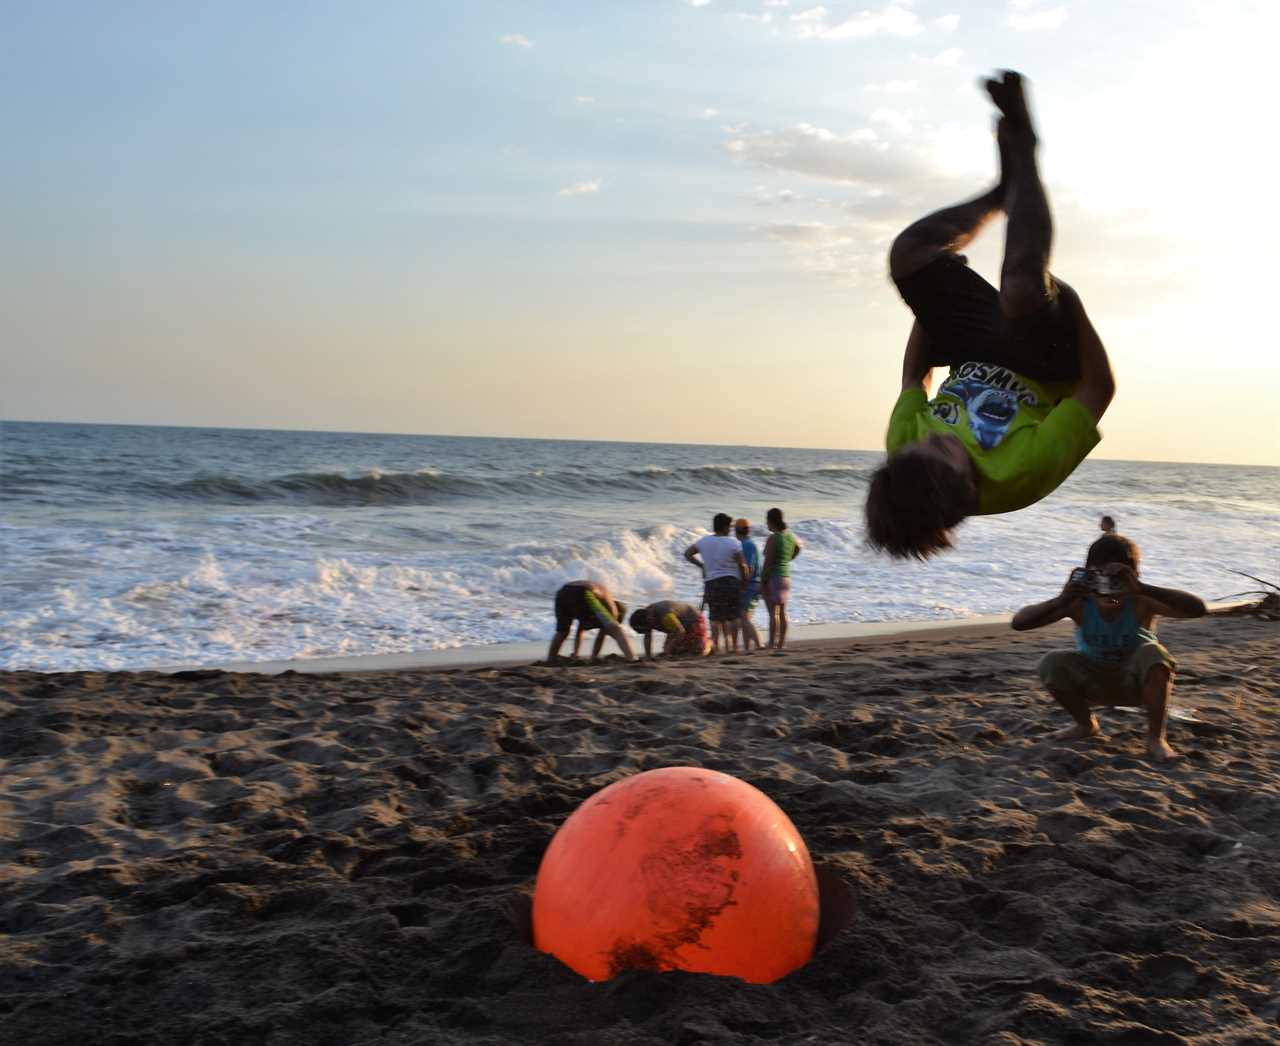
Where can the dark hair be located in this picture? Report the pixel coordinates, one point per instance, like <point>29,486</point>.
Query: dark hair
<point>640,621</point>
<point>774,516</point>
<point>1113,548</point>
<point>722,522</point>
<point>1108,524</point>
<point>913,501</point>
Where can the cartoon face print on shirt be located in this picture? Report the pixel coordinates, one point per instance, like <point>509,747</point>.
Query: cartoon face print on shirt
<point>990,395</point>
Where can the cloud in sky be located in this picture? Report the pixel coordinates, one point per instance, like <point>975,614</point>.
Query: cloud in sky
<point>860,157</point>
<point>580,188</point>
<point>849,252</point>
<point>947,22</point>
<point>892,87</point>
<point>950,56</point>
<point>517,39</point>
<point>583,99</point>
<point>816,22</point>
<point>1024,19</point>
<point>764,197</point>
<point>893,20</point>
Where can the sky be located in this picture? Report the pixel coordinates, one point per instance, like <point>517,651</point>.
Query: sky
<point>653,220</point>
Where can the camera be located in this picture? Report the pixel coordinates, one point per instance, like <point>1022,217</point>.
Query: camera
<point>1096,581</point>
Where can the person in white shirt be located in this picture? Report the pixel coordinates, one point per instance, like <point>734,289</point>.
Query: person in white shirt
<point>724,570</point>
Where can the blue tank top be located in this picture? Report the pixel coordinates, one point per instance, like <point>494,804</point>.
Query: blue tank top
<point>1110,641</point>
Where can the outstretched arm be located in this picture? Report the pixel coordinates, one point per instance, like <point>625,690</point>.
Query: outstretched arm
<point>1173,602</point>
<point>917,372</point>
<point>1097,385</point>
<point>1165,602</point>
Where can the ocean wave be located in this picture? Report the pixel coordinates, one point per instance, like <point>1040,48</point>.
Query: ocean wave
<point>431,487</point>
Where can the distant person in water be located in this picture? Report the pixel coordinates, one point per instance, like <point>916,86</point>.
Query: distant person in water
<point>781,548</point>
<point>592,607</point>
<point>1118,660</point>
<point>1029,377</point>
<point>719,556</point>
<point>683,627</point>
<point>751,589</point>
<point>1108,525</point>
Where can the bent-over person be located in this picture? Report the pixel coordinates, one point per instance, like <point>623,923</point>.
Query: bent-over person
<point>592,607</point>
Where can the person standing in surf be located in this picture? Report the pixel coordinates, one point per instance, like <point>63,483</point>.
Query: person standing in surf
<point>1029,377</point>
<point>723,572</point>
<point>781,548</point>
<point>751,587</point>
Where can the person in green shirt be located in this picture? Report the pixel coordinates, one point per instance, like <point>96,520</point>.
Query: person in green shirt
<point>1029,377</point>
<point>781,548</point>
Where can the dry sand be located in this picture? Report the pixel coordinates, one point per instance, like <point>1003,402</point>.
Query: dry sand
<point>345,858</point>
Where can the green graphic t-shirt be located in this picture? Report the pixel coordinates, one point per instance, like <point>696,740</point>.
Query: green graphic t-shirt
<point>1024,437</point>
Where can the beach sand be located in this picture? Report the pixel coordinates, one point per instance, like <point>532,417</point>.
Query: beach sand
<point>237,859</point>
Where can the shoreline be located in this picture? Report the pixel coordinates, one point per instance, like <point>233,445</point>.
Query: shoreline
<point>812,638</point>
<point>503,655</point>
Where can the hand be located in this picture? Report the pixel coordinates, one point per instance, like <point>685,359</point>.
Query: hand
<point>1122,576</point>
<point>1077,586</point>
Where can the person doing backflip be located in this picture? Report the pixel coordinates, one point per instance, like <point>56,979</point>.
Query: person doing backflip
<point>1029,377</point>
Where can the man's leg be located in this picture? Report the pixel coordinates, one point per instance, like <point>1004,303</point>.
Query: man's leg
<point>1157,689</point>
<point>614,631</point>
<point>1025,285</point>
<point>557,641</point>
<point>1077,705</point>
<point>1066,674</point>
<point>947,230</point>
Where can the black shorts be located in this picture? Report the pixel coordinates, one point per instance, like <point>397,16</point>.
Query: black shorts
<point>572,605</point>
<point>960,311</point>
<point>724,598</point>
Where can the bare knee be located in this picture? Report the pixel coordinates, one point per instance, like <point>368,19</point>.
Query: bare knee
<point>909,254</point>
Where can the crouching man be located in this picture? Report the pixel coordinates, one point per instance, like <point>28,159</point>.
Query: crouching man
<point>1118,660</point>
<point>684,628</point>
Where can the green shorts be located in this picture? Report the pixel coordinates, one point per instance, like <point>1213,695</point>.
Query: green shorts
<point>1071,672</point>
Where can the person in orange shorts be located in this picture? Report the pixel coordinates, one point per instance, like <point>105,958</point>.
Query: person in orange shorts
<point>684,628</point>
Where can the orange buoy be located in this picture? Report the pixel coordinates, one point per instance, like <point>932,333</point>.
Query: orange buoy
<point>678,869</point>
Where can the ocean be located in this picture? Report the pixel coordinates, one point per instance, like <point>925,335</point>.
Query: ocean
<point>130,547</point>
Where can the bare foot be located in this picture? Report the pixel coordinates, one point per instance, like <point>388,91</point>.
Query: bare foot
<point>1009,96</point>
<point>1160,751</point>
<point>1079,732</point>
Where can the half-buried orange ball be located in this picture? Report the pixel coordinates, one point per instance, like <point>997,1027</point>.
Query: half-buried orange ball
<point>678,869</point>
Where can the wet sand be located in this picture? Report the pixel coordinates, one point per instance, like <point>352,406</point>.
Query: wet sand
<point>230,858</point>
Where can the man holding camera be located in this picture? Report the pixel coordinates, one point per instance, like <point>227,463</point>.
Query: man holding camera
<point>1118,660</point>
